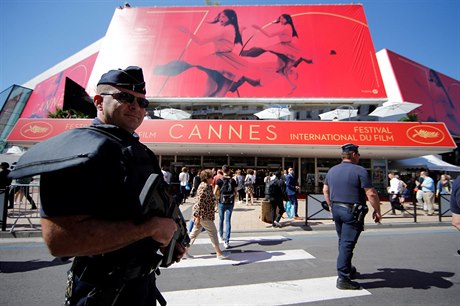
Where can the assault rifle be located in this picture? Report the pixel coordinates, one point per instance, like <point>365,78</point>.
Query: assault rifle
<point>156,202</point>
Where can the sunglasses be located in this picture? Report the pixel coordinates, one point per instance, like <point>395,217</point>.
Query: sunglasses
<point>125,97</point>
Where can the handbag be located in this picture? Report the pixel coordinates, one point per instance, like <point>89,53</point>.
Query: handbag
<point>187,186</point>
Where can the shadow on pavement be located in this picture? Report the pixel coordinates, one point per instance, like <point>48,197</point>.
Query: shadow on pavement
<point>21,266</point>
<point>406,278</point>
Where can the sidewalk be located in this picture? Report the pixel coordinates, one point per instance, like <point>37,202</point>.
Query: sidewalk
<point>245,218</point>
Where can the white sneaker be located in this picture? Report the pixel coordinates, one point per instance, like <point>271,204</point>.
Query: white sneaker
<point>226,245</point>
<point>277,224</point>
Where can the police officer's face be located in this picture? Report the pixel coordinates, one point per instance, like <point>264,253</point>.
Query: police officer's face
<point>128,116</point>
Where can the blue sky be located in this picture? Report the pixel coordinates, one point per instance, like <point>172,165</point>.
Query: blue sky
<point>37,34</point>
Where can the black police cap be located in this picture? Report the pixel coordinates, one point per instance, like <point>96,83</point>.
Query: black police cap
<point>349,147</point>
<point>130,78</point>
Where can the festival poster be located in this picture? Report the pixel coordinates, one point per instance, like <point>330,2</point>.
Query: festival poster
<point>314,52</point>
<point>379,173</point>
<point>438,93</point>
<point>49,94</point>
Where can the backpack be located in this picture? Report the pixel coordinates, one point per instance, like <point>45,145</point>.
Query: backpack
<point>276,189</point>
<point>272,188</point>
<point>227,192</point>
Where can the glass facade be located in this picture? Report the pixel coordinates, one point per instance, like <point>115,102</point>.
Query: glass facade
<point>12,103</point>
<point>309,172</point>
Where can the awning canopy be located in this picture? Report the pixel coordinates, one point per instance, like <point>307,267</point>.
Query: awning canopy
<point>430,162</point>
<point>294,138</point>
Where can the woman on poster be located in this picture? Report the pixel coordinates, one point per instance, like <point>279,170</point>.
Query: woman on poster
<point>223,67</point>
<point>288,55</point>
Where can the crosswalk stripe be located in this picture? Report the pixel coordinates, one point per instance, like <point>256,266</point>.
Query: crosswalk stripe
<point>243,257</point>
<point>270,293</point>
<point>241,240</point>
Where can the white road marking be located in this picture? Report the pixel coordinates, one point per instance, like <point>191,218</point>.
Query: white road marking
<point>271,293</point>
<point>204,239</point>
<point>241,258</point>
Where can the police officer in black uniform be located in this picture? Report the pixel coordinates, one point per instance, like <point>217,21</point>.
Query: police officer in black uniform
<point>346,187</point>
<point>92,211</point>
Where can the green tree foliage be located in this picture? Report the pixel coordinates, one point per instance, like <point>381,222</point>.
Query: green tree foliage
<point>66,114</point>
<point>410,118</point>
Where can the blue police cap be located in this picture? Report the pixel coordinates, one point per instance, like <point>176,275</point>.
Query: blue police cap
<point>349,147</point>
<point>130,78</point>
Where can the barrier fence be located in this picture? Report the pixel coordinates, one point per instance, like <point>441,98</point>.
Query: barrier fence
<point>16,207</point>
<point>314,210</point>
<point>21,202</point>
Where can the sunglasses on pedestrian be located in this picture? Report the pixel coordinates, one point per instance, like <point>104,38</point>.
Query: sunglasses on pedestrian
<point>125,97</point>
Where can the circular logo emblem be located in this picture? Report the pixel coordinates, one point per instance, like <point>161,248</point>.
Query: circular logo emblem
<point>425,134</point>
<point>36,130</point>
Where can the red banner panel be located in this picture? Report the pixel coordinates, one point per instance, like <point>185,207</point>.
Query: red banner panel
<point>302,51</point>
<point>438,93</point>
<point>382,134</point>
<point>49,94</point>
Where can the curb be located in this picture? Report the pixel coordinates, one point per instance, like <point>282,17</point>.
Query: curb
<point>306,228</point>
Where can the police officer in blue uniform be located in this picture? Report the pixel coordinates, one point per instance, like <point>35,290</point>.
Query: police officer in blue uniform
<point>92,211</point>
<point>345,189</point>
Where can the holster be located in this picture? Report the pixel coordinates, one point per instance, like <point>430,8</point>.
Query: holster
<point>359,212</point>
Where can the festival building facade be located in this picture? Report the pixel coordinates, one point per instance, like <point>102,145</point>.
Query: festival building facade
<point>222,65</point>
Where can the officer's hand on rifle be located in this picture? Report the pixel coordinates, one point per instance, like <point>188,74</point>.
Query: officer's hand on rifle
<point>179,251</point>
<point>162,229</point>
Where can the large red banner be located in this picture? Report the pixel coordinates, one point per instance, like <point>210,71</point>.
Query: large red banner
<point>313,52</point>
<point>263,132</point>
<point>49,94</point>
<point>438,93</point>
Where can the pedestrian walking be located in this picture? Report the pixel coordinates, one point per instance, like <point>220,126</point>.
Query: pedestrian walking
<point>428,187</point>
<point>345,189</point>
<point>249,182</point>
<point>277,196</point>
<point>226,189</point>
<point>395,191</point>
<point>291,190</point>
<point>239,177</point>
<point>184,181</point>
<point>204,212</point>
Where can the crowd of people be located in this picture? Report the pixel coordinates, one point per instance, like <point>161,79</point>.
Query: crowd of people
<point>218,190</point>
<point>251,182</point>
<point>421,189</point>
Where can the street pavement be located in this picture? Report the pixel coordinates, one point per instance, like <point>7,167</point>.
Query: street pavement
<point>397,266</point>
<point>401,262</point>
